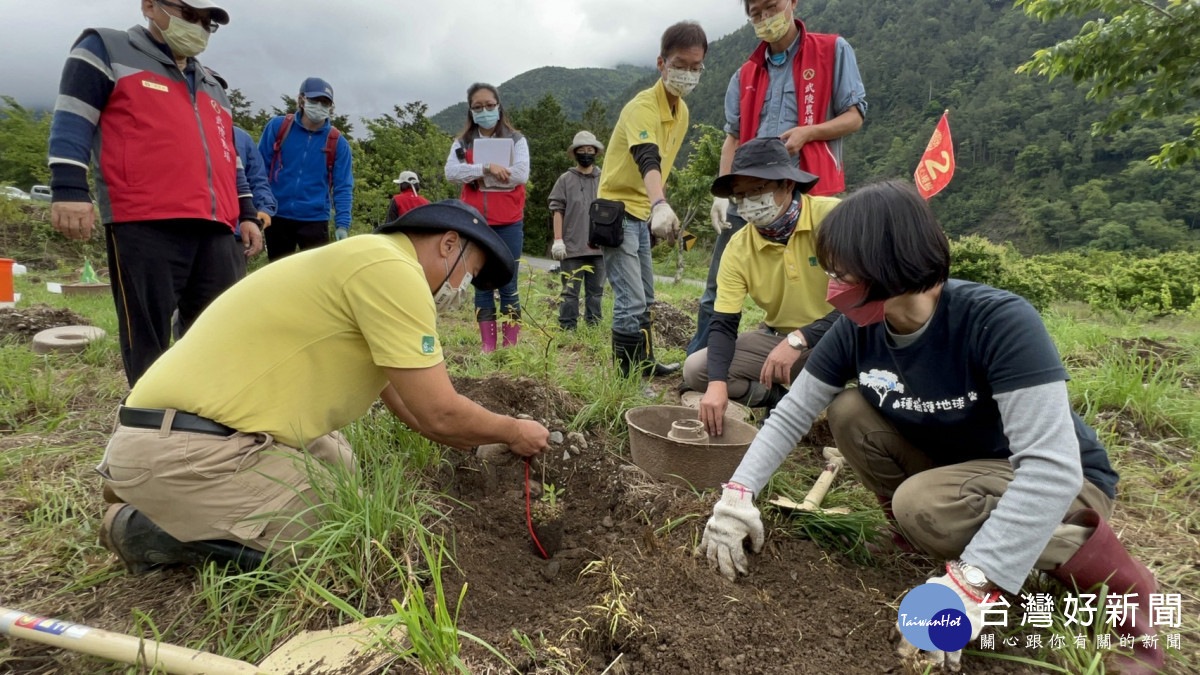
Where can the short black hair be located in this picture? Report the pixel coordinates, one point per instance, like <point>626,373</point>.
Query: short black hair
<point>885,235</point>
<point>683,35</point>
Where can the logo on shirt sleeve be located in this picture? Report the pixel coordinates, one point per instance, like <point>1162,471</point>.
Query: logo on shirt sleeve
<point>643,135</point>
<point>428,344</point>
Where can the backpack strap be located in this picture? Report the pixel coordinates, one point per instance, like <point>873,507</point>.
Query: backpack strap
<point>277,157</point>
<point>331,143</point>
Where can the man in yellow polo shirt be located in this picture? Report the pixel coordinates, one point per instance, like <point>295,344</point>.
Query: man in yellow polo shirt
<point>645,140</point>
<point>209,459</point>
<point>775,263</point>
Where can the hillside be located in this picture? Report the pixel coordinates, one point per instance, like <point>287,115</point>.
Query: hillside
<point>573,87</point>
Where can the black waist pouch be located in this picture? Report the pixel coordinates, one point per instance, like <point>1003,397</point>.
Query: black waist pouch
<point>607,219</point>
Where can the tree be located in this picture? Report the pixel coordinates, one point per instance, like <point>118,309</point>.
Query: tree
<point>24,140</point>
<point>548,133</point>
<point>1142,54</point>
<point>405,140</point>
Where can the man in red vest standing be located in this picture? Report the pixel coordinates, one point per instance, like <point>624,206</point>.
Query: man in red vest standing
<point>802,87</point>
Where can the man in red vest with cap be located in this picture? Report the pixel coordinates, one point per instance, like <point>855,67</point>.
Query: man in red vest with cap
<point>799,86</point>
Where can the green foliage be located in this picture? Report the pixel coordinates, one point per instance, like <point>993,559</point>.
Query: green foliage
<point>1167,284</point>
<point>1142,54</point>
<point>976,259</point>
<point>405,140</point>
<point>24,140</point>
<point>549,133</point>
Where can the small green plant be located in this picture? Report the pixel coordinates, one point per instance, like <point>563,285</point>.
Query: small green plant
<point>549,508</point>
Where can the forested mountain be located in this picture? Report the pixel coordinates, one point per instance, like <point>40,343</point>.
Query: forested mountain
<point>1029,170</point>
<point>572,87</point>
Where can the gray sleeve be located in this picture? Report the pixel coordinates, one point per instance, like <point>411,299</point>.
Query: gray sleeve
<point>558,194</point>
<point>848,87</point>
<point>1047,477</point>
<point>783,430</point>
<point>733,102</point>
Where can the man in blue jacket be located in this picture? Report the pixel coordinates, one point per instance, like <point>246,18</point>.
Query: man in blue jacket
<point>296,149</point>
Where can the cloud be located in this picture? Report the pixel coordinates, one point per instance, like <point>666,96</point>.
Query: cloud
<point>375,53</point>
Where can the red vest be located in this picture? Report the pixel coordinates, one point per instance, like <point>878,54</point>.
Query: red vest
<point>163,154</point>
<point>407,201</point>
<point>498,208</point>
<point>812,68</point>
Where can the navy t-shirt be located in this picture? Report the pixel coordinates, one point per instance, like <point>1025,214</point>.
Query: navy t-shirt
<point>938,390</point>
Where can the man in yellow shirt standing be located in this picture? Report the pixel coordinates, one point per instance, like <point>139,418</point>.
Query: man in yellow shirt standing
<point>642,150</point>
<point>775,263</point>
<point>209,459</point>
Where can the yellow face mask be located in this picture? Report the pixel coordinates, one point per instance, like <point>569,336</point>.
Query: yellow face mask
<point>773,28</point>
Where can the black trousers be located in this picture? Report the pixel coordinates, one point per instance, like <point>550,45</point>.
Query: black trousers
<point>286,236</point>
<point>158,266</point>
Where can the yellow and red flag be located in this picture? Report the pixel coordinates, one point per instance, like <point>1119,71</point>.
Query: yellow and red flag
<point>937,164</point>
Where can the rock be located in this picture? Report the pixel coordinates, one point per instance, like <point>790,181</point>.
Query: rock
<point>556,438</point>
<point>550,570</point>
<point>574,450</point>
<point>535,490</point>
<point>566,455</point>
<point>523,416</point>
<point>607,523</point>
<point>577,438</point>
<point>837,631</point>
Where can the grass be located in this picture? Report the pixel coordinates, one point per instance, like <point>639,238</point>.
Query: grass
<point>376,556</point>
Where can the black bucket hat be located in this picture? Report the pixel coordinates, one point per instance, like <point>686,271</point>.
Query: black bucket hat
<point>763,158</point>
<point>452,214</point>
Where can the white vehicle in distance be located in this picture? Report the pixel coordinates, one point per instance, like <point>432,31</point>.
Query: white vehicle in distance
<point>40,193</point>
<point>10,192</point>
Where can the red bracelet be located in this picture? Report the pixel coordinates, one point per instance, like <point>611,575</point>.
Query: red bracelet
<point>985,600</point>
<point>739,488</point>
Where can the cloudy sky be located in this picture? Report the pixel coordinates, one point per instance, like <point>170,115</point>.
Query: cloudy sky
<point>375,53</point>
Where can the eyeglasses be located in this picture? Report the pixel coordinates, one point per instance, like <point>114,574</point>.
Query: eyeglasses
<point>480,107</point>
<point>190,15</point>
<point>673,65</point>
<point>765,10</point>
<point>764,188</point>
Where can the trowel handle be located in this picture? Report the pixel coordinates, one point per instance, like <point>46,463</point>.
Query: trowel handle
<point>118,646</point>
<point>812,501</point>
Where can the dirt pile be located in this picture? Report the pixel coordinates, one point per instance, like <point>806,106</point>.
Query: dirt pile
<point>23,323</point>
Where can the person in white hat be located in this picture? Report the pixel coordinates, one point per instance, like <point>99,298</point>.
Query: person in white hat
<point>407,198</point>
<point>581,264</point>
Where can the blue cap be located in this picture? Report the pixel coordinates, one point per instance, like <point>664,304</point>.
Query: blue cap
<point>315,87</point>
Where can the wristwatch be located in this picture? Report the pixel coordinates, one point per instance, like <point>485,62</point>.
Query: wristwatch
<point>795,340</point>
<point>973,576</point>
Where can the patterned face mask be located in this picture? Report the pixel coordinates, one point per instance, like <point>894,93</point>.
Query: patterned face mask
<point>681,82</point>
<point>773,28</point>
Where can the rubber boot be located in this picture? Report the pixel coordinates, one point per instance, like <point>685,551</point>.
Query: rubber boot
<point>511,331</point>
<point>1103,560</point>
<point>627,352</point>
<point>652,368</point>
<point>141,545</point>
<point>487,332</point>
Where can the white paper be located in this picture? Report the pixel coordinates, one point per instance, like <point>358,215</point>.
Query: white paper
<point>53,287</point>
<point>494,151</point>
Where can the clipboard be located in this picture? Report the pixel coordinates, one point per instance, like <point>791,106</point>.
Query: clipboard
<point>494,151</point>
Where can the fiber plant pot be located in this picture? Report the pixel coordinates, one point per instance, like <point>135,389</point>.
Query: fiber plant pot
<point>550,535</point>
<point>87,289</point>
<point>678,454</point>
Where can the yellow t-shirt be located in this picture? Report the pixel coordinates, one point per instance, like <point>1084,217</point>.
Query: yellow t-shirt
<point>785,281</point>
<point>297,348</point>
<point>646,119</point>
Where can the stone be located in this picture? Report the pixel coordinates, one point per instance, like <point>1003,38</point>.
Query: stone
<point>556,438</point>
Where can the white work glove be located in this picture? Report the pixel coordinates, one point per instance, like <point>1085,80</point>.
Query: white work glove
<point>664,223</point>
<point>559,250</point>
<point>734,518</point>
<point>952,661</point>
<point>720,214</point>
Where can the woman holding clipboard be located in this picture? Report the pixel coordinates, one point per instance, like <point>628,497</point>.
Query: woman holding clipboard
<point>491,160</point>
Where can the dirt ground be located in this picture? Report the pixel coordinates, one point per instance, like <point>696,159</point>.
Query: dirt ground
<point>26,322</point>
<point>802,610</point>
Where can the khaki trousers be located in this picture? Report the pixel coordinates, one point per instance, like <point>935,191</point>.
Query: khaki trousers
<point>749,355</point>
<point>939,508</point>
<point>244,487</point>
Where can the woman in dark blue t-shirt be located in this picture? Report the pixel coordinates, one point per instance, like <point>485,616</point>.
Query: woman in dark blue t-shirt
<point>960,423</point>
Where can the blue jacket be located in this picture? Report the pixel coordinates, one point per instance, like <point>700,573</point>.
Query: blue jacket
<point>256,171</point>
<point>301,186</point>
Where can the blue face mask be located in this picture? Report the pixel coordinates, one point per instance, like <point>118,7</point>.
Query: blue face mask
<point>486,118</point>
<point>777,59</point>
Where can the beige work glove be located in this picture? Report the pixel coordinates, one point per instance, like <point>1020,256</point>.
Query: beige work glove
<point>664,223</point>
<point>734,518</point>
<point>974,605</point>
<point>720,214</point>
<point>559,250</point>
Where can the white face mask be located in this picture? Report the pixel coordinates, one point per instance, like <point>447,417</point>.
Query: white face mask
<point>759,210</point>
<point>317,112</point>
<point>680,82</point>
<point>185,39</point>
<point>449,298</point>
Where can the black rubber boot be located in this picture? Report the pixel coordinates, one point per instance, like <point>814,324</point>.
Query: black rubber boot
<point>653,368</point>
<point>627,352</point>
<point>141,545</point>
